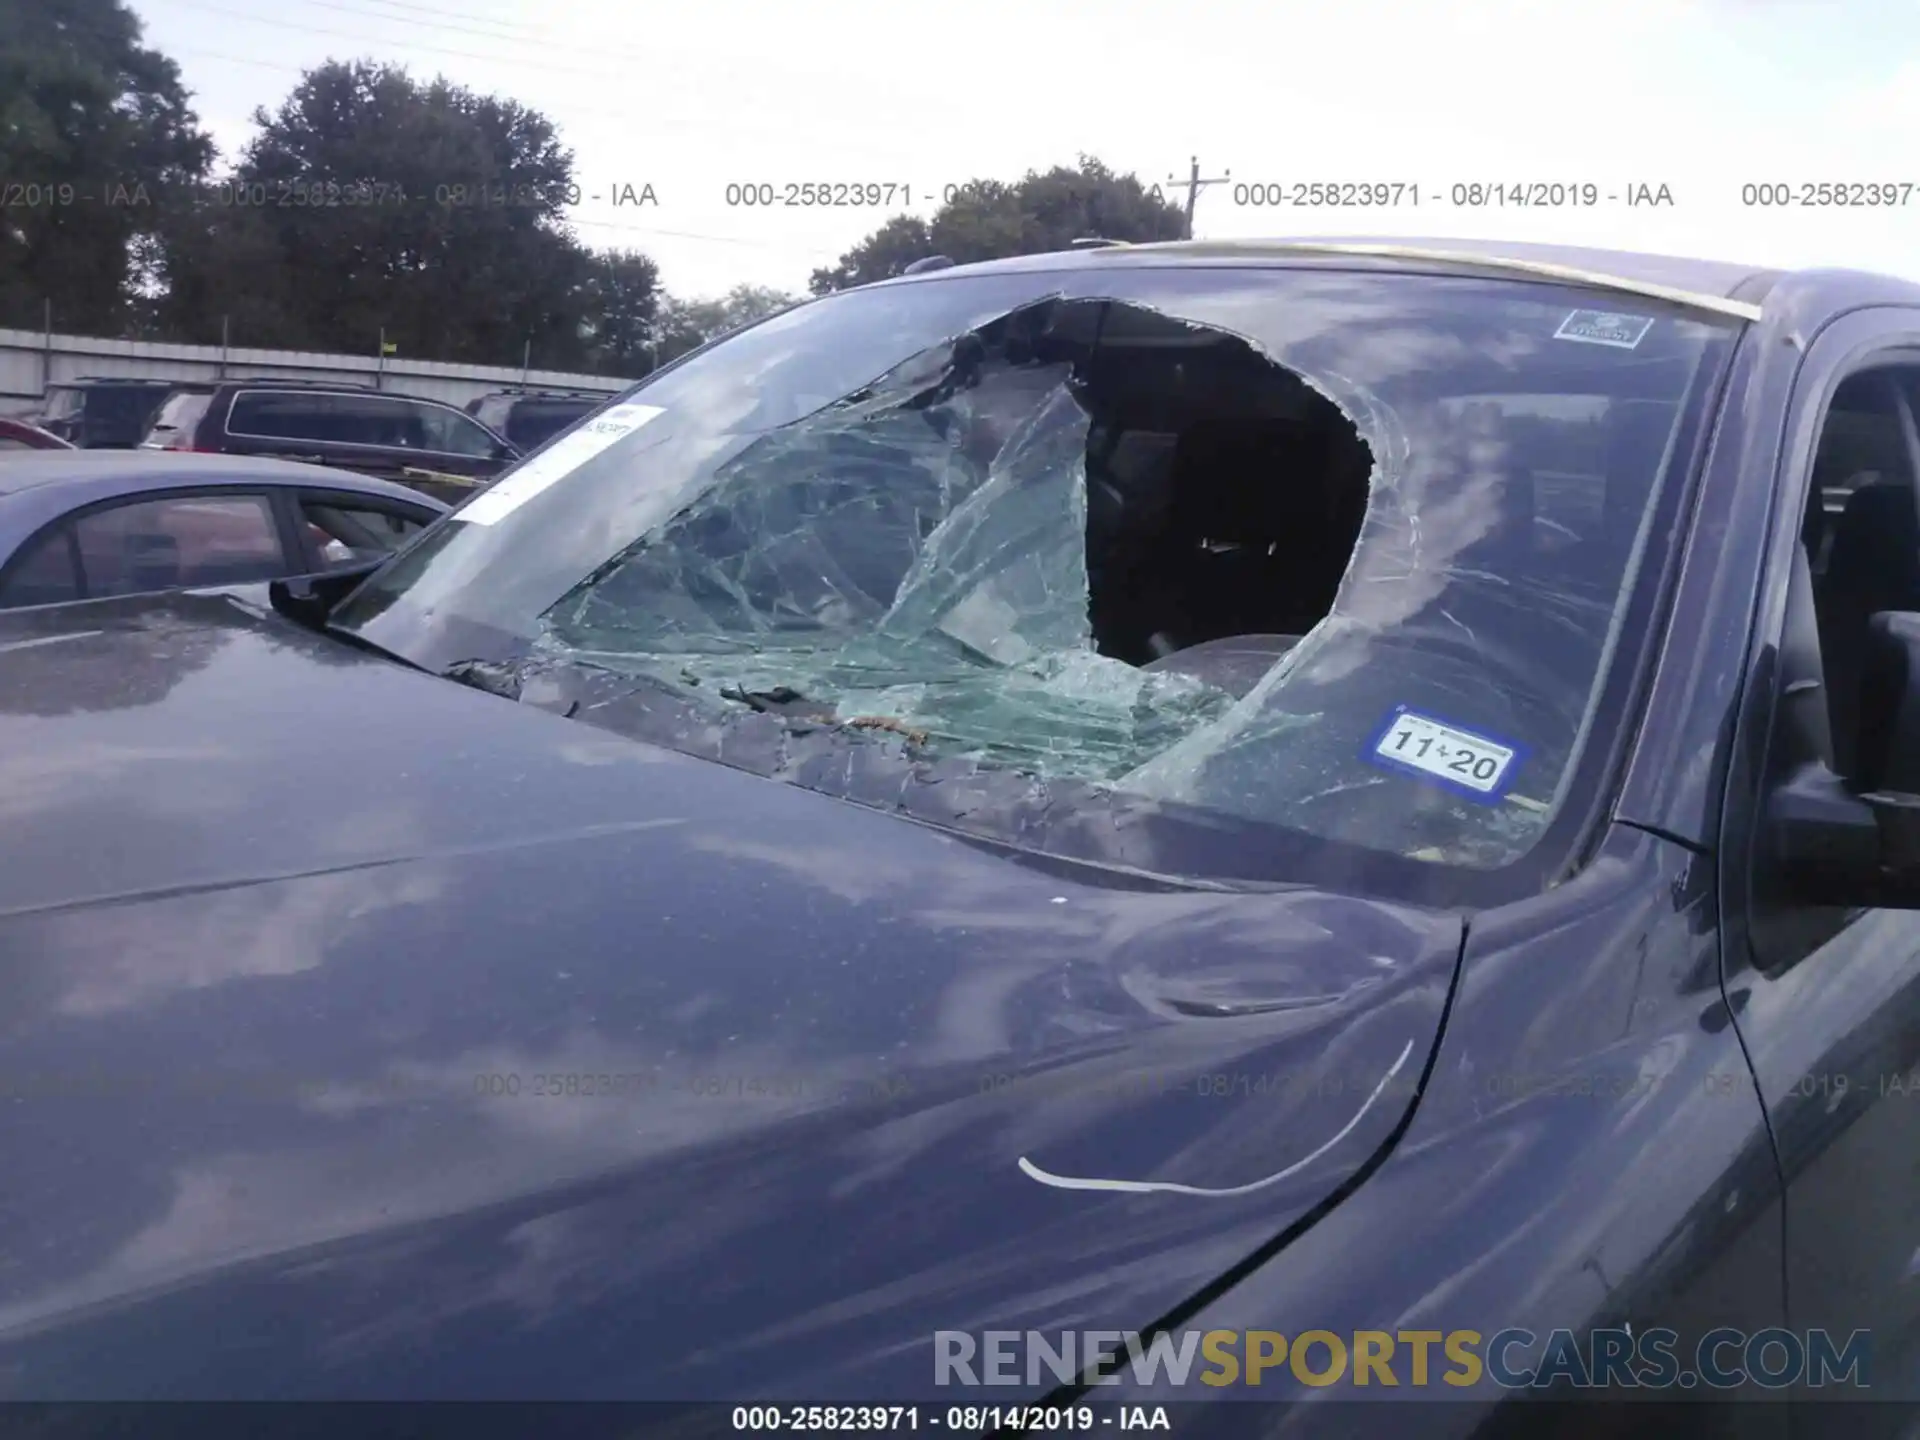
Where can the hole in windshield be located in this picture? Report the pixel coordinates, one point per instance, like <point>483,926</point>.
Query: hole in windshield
<point>1210,574</point>
<point>1064,541</point>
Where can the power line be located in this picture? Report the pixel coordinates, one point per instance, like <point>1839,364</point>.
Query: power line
<point>1194,184</point>
<point>398,44</point>
<point>614,225</point>
<point>518,32</point>
<point>237,60</point>
<point>706,127</point>
<point>514,33</point>
<point>891,158</point>
<point>622,117</point>
<point>695,235</point>
<point>511,37</point>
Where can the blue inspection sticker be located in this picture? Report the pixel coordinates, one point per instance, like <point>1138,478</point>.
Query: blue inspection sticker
<point>1474,764</point>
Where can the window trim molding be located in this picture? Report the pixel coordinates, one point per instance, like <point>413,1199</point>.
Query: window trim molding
<point>403,400</point>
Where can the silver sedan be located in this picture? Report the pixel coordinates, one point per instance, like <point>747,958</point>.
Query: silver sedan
<point>82,524</point>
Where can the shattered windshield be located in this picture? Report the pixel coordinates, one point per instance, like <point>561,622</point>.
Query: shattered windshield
<point>1141,566</point>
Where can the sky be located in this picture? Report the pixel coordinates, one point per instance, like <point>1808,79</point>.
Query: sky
<point>1703,97</point>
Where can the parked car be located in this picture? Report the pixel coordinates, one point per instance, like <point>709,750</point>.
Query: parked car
<point>18,435</point>
<point>529,418</point>
<point>101,412</point>
<point>1231,788</point>
<point>76,526</point>
<point>434,447</point>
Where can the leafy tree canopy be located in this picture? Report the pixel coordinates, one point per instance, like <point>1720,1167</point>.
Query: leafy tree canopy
<point>96,131</point>
<point>989,220</point>
<point>372,202</point>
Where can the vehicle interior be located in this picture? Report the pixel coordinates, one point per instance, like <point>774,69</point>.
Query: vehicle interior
<point>1226,497</point>
<point>1861,530</point>
<point>1226,501</point>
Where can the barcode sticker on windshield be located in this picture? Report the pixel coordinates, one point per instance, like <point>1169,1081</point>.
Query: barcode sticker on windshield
<point>556,462</point>
<point>1602,327</point>
<point>1477,766</point>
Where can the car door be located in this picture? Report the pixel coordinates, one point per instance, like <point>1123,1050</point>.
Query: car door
<point>178,540</point>
<point>290,424</point>
<point>1827,1000</point>
<point>393,437</point>
<point>458,443</point>
<point>44,571</point>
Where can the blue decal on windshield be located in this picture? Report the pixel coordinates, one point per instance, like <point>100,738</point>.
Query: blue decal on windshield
<point>1469,762</point>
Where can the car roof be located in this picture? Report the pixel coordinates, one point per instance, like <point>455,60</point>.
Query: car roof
<point>302,387</point>
<point>125,472</point>
<point>305,387</point>
<point>80,381</point>
<point>21,422</point>
<point>1718,278</point>
<point>547,395</point>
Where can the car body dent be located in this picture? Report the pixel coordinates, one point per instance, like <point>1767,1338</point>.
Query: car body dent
<point>1588,1146</point>
<point>1606,1163</point>
<point>845,1018</point>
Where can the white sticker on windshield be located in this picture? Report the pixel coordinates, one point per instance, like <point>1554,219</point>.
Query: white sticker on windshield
<point>1476,765</point>
<point>1602,327</point>
<point>556,462</point>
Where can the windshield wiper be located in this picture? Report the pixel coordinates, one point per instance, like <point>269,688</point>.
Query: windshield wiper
<point>495,677</point>
<point>780,701</point>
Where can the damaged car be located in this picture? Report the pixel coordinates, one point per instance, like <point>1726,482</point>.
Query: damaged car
<point>1297,787</point>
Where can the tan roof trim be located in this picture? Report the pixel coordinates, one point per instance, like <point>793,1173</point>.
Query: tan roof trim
<point>1718,304</point>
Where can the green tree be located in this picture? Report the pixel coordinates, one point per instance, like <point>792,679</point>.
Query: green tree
<point>989,219</point>
<point>622,308</point>
<point>886,252</point>
<point>425,211</point>
<point>96,131</point>
<point>685,325</point>
<point>744,304</point>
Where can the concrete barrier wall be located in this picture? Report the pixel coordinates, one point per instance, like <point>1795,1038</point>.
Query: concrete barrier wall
<point>30,360</point>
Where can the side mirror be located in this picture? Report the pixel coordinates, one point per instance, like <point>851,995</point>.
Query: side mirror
<point>1857,843</point>
<point>309,599</point>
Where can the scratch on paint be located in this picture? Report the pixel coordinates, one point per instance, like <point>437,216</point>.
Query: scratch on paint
<point>35,644</point>
<point>1168,1187</point>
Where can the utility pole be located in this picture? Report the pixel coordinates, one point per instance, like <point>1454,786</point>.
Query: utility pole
<point>1194,186</point>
